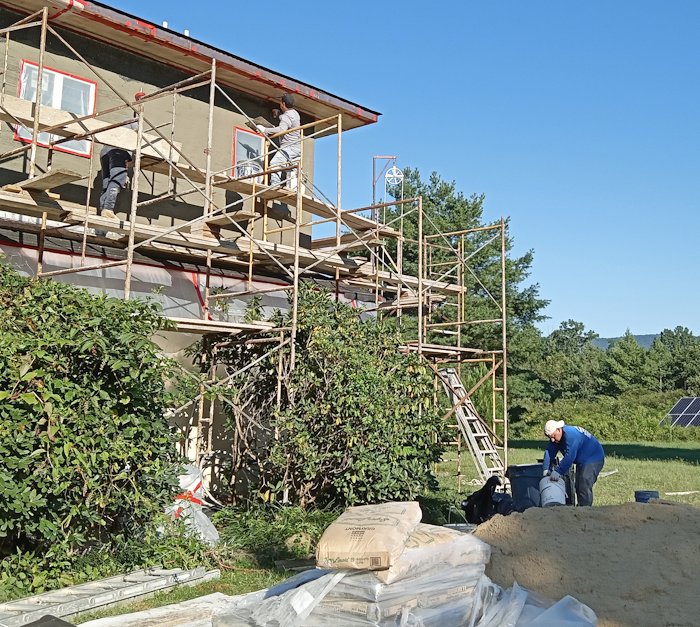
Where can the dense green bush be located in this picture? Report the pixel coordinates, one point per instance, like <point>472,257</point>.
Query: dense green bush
<point>356,421</point>
<point>633,416</point>
<point>159,542</point>
<point>359,424</point>
<point>86,451</point>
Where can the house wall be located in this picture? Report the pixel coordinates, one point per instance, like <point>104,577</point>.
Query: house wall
<point>129,74</point>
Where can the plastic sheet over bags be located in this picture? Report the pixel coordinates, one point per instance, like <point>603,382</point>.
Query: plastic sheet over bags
<point>516,607</point>
<point>286,605</point>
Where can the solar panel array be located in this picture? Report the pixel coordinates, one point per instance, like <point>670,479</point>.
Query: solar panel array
<point>685,413</point>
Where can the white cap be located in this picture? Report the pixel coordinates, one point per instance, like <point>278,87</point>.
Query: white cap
<point>551,426</point>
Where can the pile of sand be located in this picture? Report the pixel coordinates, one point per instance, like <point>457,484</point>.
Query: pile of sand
<point>634,565</point>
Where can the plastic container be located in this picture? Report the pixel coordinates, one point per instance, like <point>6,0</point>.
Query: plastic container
<point>643,496</point>
<point>552,492</point>
<point>525,485</point>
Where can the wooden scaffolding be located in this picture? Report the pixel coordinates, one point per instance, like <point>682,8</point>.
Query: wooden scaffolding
<point>365,253</point>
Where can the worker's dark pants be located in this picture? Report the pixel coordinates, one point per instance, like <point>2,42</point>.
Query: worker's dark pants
<point>586,476</point>
<point>114,176</point>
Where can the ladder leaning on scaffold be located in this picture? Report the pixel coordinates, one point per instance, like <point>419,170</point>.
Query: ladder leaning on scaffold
<point>472,427</point>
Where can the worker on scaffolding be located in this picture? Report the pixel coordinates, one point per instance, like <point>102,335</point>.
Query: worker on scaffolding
<point>115,175</point>
<point>289,144</point>
<point>577,446</point>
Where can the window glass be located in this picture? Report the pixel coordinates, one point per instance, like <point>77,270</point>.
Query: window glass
<point>58,91</point>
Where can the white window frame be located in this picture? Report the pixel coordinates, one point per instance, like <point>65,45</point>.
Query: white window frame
<point>24,134</point>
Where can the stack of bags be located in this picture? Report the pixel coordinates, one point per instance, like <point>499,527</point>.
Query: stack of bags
<point>398,571</point>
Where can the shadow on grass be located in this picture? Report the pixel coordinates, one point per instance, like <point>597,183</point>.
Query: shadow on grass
<point>640,451</point>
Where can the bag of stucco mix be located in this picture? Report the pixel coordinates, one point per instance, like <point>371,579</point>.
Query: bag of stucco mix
<point>360,598</point>
<point>429,545</point>
<point>368,537</point>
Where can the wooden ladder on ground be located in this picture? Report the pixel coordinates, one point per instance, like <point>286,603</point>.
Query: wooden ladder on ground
<point>475,432</point>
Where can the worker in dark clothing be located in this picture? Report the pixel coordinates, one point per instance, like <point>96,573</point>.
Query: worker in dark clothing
<point>115,175</point>
<point>578,447</point>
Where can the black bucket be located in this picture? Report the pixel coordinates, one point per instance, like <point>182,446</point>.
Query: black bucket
<point>643,496</point>
<point>525,485</point>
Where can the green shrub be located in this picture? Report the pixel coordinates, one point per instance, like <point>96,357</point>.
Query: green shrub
<point>356,422</point>
<point>632,416</point>
<point>85,448</point>
<point>160,542</point>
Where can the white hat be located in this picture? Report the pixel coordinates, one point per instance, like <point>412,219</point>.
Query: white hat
<point>551,426</point>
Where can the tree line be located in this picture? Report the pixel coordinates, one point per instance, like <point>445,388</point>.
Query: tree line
<point>563,374</point>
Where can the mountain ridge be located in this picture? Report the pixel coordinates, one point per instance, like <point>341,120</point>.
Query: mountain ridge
<point>645,341</point>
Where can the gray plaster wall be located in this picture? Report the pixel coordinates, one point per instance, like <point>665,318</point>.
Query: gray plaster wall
<point>128,74</point>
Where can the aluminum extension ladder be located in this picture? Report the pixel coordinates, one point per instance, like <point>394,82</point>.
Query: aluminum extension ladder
<point>472,427</point>
<point>91,596</point>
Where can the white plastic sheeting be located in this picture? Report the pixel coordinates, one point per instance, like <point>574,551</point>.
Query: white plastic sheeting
<point>319,598</point>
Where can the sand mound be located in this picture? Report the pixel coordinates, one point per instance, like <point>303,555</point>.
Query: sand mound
<point>634,565</point>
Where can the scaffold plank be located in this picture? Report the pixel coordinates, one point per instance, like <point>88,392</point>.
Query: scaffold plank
<point>49,180</point>
<point>15,110</point>
<point>310,204</point>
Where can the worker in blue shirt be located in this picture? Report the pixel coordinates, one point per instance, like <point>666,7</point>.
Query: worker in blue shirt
<point>578,447</point>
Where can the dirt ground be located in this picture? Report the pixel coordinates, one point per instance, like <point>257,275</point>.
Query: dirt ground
<point>635,565</point>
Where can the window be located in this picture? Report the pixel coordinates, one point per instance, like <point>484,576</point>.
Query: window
<point>248,154</point>
<point>60,91</point>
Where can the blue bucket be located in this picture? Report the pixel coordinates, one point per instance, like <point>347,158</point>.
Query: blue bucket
<point>643,496</point>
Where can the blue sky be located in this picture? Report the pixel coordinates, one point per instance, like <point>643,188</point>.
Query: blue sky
<point>578,120</point>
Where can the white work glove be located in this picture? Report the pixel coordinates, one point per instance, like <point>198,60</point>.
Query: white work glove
<point>554,476</point>
<point>545,473</point>
<point>261,128</point>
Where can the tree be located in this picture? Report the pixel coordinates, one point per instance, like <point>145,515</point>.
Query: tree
<point>571,365</point>
<point>626,366</point>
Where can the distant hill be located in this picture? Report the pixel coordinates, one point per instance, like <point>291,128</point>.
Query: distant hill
<point>643,340</point>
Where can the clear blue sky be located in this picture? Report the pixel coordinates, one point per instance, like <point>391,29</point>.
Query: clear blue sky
<point>578,120</point>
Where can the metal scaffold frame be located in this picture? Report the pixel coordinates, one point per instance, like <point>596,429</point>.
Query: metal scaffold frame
<point>201,242</point>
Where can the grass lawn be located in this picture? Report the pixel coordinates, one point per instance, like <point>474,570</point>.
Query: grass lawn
<point>666,467</point>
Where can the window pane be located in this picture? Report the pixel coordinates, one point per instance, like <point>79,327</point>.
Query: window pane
<point>60,92</point>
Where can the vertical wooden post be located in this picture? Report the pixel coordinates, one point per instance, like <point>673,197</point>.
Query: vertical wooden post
<point>39,88</point>
<point>420,275</point>
<point>504,336</point>
<point>86,221</point>
<point>40,252</point>
<point>208,187</point>
<point>338,201</point>
<point>134,205</point>
<point>4,68</point>
<point>295,296</point>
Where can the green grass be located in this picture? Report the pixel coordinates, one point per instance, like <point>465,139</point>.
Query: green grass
<point>666,467</point>
<point>231,583</point>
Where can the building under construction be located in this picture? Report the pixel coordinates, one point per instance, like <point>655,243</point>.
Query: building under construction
<point>202,222</point>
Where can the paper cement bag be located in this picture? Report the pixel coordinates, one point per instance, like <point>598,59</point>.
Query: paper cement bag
<point>368,537</point>
<point>429,545</point>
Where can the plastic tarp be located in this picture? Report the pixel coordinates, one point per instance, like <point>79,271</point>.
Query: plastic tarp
<point>319,598</point>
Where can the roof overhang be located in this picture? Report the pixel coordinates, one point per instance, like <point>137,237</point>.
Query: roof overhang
<point>101,22</point>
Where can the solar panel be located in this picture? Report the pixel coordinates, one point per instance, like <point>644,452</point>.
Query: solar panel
<point>685,413</point>
<point>680,406</point>
<point>694,407</point>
